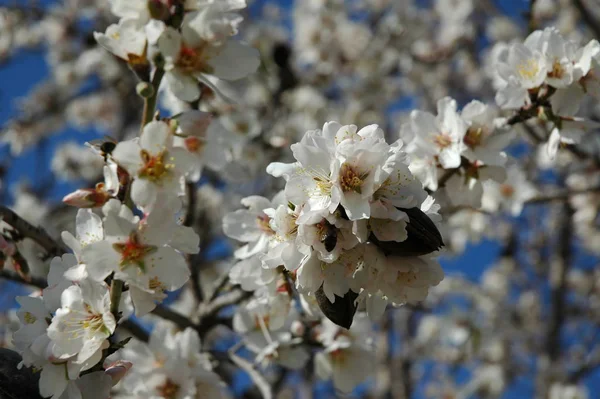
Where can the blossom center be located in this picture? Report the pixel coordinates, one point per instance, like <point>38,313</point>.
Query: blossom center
<point>29,318</point>
<point>242,128</point>
<point>507,190</point>
<point>351,180</point>
<point>406,278</point>
<point>474,137</point>
<point>528,69</point>
<point>155,167</point>
<point>258,320</point>
<point>93,322</point>
<point>263,224</point>
<point>338,356</point>
<point>168,390</point>
<point>193,144</point>
<point>156,284</point>
<point>442,140</point>
<point>194,60</point>
<point>557,70</point>
<point>133,252</point>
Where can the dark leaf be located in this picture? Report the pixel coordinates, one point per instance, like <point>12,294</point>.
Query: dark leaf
<point>15,383</point>
<point>342,311</point>
<point>423,236</point>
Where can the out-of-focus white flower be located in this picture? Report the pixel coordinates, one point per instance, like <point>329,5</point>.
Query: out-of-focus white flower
<point>348,357</point>
<point>171,365</point>
<point>126,40</point>
<point>562,391</point>
<point>191,55</point>
<point>73,161</point>
<point>510,195</point>
<point>440,135</point>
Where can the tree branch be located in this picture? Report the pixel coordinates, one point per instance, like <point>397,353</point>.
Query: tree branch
<point>37,234</point>
<point>561,196</point>
<point>33,281</point>
<point>558,291</point>
<point>587,17</point>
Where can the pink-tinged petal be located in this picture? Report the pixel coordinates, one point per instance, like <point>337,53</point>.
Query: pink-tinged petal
<point>450,158</point>
<point>242,225</point>
<point>186,240</point>
<point>184,87</point>
<point>156,137</point>
<point>143,192</point>
<point>182,159</point>
<point>512,97</point>
<point>52,380</point>
<point>88,226</point>
<point>91,352</point>
<point>169,44</point>
<point>127,154</point>
<point>170,267</point>
<point>101,259</point>
<point>95,385</point>
<point>117,370</point>
<point>235,61</point>
<point>279,169</point>
<point>356,206</point>
<point>71,241</point>
<point>143,301</point>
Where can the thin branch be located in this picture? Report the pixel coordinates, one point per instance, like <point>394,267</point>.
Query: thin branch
<point>135,330</point>
<point>588,367</point>
<point>33,281</point>
<point>561,196</point>
<point>587,17</point>
<point>116,288</point>
<point>558,291</point>
<point>180,320</point>
<point>150,102</point>
<point>220,302</point>
<point>37,234</point>
<point>531,22</point>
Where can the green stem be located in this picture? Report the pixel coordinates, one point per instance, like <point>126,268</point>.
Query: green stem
<point>150,102</point>
<point>116,288</point>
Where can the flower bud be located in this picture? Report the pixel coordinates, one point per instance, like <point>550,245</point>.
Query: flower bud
<point>117,370</point>
<point>144,89</point>
<point>297,328</point>
<point>87,197</point>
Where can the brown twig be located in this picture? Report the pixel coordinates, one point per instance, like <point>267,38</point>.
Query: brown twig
<point>33,281</point>
<point>587,17</point>
<point>561,196</point>
<point>558,291</point>
<point>37,234</point>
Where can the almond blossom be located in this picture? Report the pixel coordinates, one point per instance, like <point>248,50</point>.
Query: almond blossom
<point>157,166</point>
<point>192,55</point>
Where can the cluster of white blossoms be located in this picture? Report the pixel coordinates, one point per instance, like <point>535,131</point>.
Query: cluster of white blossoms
<point>346,221</point>
<point>170,365</point>
<point>127,260</point>
<point>354,227</point>
<point>64,331</point>
<point>550,76</point>
<point>465,151</point>
<point>191,40</point>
